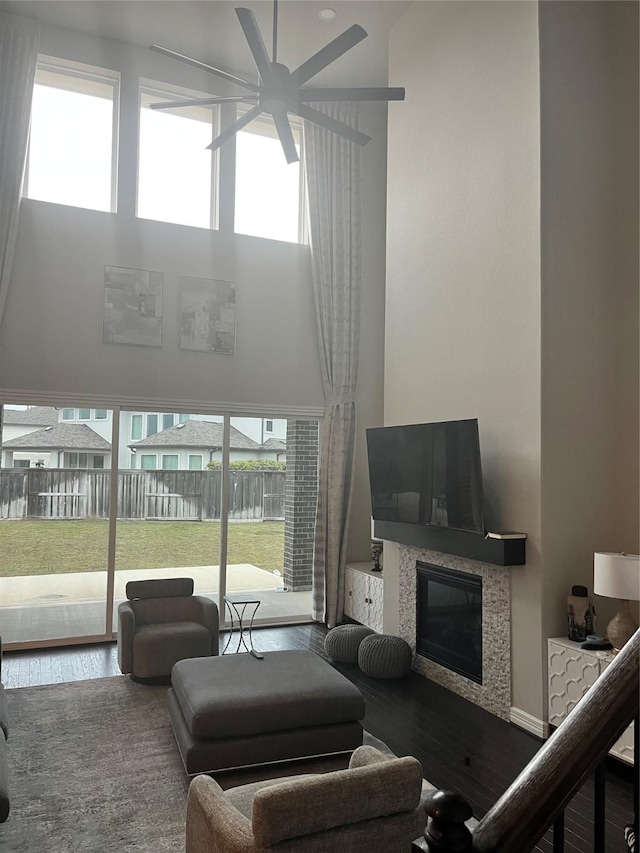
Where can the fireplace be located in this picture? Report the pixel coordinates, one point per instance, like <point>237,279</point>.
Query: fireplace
<point>494,693</point>
<point>449,619</point>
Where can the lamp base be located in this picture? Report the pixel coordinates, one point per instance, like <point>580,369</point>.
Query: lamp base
<point>622,627</point>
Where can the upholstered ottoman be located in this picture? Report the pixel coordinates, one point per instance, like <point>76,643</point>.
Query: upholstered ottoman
<point>342,643</point>
<point>236,710</point>
<point>385,656</point>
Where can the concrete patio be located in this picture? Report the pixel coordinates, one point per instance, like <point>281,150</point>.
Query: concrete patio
<point>58,606</point>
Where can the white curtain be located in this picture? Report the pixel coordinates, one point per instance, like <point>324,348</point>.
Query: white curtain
<point>333,177</point>
<point>19,40</point>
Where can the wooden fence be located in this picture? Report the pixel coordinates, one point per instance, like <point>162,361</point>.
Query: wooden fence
<point>185,495</point>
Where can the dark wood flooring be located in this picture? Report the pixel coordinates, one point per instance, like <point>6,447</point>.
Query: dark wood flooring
<point>461,747</point>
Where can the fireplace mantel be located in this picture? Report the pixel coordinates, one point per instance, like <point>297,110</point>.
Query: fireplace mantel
<point>494,694</point>
<point>461,543</point>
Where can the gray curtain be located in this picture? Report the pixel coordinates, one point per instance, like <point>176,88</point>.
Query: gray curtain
<point>333,178</point>
<point>19,40</point>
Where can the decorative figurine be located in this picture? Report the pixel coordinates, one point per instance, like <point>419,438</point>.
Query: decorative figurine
<point>376,553</point>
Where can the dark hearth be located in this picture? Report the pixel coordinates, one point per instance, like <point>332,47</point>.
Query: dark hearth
<point>449,619</point>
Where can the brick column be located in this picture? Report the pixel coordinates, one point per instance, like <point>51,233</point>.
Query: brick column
<point>301,495</point>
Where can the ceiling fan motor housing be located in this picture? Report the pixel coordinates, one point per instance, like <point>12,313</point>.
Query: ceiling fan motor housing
<point>278,92</point>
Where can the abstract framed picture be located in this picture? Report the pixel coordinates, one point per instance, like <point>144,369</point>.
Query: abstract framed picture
<point>132,307</point>
<point>207,315</point>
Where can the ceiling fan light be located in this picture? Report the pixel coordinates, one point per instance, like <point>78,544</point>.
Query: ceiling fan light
<point>327,14</point>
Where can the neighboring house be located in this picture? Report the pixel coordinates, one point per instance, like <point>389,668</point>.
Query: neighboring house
<point>278,447</point>
<point>68,446</point>
<point>261,438</point>
<point>191,445</point>
<point>20,422</point>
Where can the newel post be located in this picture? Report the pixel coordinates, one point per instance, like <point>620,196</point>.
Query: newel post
<point>446,831</point>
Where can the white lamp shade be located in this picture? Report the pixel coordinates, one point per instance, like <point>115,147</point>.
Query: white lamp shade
<point>617,575</point>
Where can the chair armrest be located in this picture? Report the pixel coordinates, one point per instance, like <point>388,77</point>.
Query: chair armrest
<point>126,631</point>
<point>213,824</point>
<point>363,756</point>
<point>208,616</point>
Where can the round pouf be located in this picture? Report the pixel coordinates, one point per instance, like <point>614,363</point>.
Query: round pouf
<point>342,643</point>
<point>384,656</point>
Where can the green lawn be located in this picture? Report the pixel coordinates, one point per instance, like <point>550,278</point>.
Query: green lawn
<point>30,547</point>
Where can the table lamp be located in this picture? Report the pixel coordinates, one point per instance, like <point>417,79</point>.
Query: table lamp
<point>618,576</point>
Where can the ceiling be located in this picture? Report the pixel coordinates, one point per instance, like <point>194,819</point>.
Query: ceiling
<point>209,30</point>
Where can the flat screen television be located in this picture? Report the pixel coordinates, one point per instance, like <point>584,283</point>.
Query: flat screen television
<point>427,474</point>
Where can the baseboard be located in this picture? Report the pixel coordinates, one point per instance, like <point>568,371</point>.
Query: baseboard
<point>529,723</point>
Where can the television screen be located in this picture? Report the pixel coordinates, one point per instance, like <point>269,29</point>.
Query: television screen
<point>427,474</point>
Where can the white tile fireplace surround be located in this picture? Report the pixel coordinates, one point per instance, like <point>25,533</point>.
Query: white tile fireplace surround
<point>494,694</point>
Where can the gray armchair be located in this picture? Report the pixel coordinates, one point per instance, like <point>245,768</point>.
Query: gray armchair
<point>161,623</point>
<point>373,807</point>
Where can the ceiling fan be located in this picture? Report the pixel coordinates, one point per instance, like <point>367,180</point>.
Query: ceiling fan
<point>281,91</point>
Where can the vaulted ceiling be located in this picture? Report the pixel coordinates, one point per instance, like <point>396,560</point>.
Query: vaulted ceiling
<point>209,30</point>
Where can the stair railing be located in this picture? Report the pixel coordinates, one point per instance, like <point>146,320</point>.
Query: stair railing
<point>537,798</point>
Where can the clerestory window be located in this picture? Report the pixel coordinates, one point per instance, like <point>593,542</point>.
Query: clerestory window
<point>176,172</point>
<point>74,132</point>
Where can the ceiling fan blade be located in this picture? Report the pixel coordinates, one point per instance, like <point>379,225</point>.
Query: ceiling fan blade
<point>201,102</point>
<point>204,67</point>
<point>351,94</point>
<point>286,135</point>
<point>256,45</point>
<point>328,54</point>
<point>230,131</point>
<point>331,124</point>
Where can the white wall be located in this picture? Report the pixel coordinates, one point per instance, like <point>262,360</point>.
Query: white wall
<point>463,269</point>
<point>52,327</point>
<point>590,362</point>
<point>513,278</point>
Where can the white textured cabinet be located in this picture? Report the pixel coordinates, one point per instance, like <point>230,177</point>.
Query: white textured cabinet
<point>363,595</point>
<point>572,671</point>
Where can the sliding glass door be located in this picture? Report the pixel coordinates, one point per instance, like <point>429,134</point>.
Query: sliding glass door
<point>228,501</point>
<point>53,523</point>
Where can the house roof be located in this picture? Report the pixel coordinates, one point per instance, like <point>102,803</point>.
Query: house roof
<point>275,444</point>
<point>33,416</point>
<point>59,437</point>
<point>204,434</point>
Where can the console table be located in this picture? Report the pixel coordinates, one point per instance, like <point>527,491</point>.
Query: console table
<point>572,671</point>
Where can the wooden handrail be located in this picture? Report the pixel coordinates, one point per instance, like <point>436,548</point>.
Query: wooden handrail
<point>537,798</point>
<point>540,793</point>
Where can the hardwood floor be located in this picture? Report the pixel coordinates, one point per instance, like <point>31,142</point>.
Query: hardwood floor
<point>461,747</point>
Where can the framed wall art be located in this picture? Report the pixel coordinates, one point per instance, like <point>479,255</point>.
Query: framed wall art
<point>207,315</point>
<point>132,307</point>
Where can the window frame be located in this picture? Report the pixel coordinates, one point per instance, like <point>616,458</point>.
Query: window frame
<point>137,419</point>
<point>172,456</point>
<point>297,125</point>
<point>91,73</point>
<point>171,91</point>
<point>64,415</point>
<point>153,456</point>
<point>194,456</point>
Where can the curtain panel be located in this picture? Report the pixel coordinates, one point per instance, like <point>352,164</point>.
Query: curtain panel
<point>333,167</point>
<point>19,41</point>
